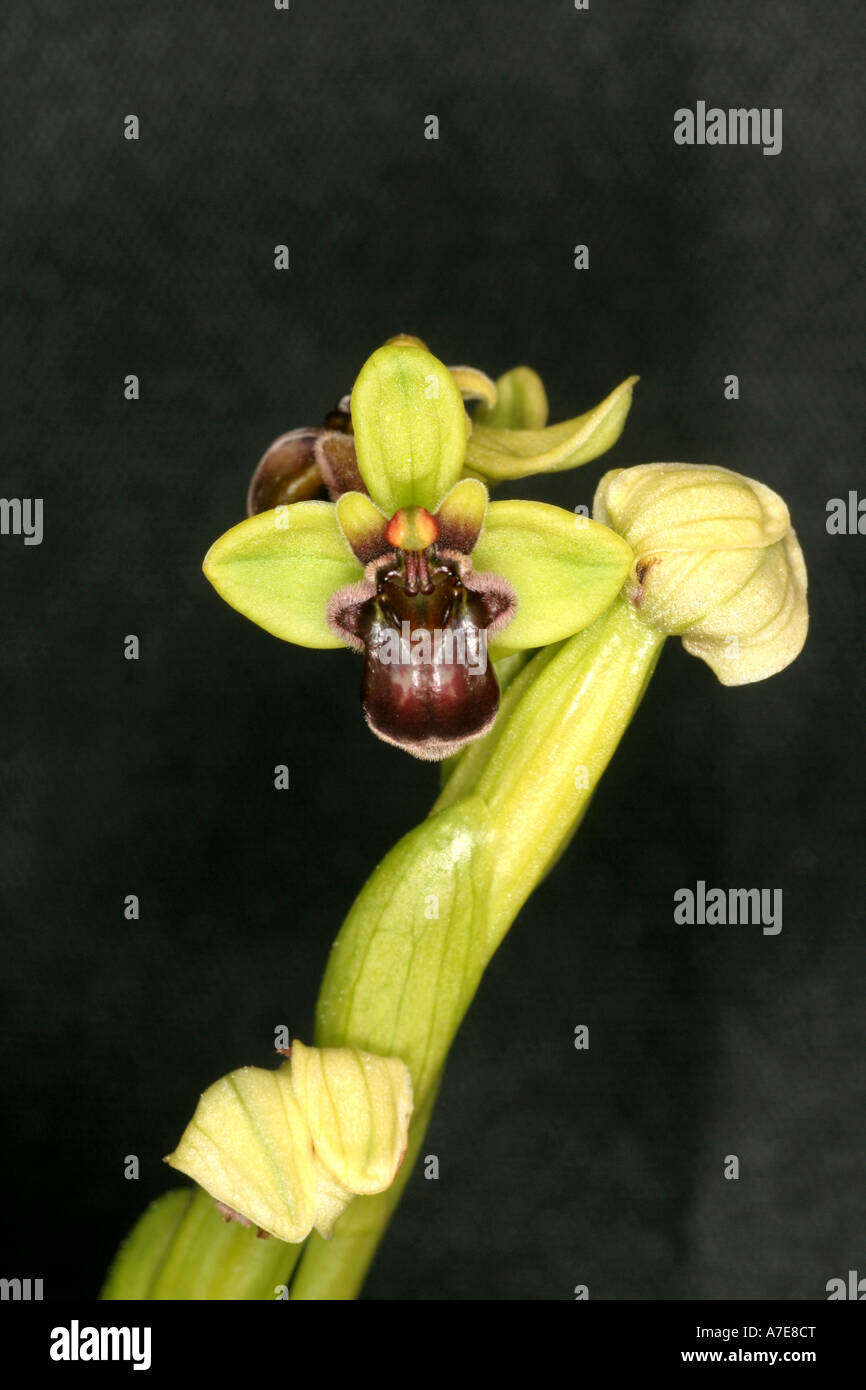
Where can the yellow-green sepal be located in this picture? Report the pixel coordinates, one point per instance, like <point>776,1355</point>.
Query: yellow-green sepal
<point>565,569</point>
<point>520,402</point>
<point>410,428</point>
<point>500,454</point>
<point>761,628</point>
<point>474,385</point>
<point>281,567</point>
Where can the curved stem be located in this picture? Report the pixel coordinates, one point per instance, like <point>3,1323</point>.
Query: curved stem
<point>414,947</point>
<point>531,782</point>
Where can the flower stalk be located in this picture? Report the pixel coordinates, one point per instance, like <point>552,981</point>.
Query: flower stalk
<point>414,947</point>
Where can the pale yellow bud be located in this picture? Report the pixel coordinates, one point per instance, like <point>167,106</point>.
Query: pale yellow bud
<point>288,1149</point>
<point>716,562</point>
<point>358,1107</point>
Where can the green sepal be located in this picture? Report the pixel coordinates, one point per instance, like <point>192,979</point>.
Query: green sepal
<point>501,454</point>
<point>565,569</point>
<point>474,385</point>
<point>281,567</point>
<point>410,428</point>
<point>520,404</point>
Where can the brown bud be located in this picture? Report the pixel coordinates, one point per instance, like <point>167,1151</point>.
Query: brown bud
<point>287,472</point>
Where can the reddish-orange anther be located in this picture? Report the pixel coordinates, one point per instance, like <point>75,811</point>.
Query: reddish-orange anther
<point>412,528</point>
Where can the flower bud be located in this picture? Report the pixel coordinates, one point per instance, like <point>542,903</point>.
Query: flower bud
<point>288,471</point>
<point>287,1150</point>
<point>716,563</point>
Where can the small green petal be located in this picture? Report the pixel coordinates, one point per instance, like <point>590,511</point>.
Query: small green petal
<point>501,454</point>
<point>566,569</point>
<point>410,428</point>
<point>461,516</point>
<point>520,403</point>
<point>362,524</point>
<point>281,567</point>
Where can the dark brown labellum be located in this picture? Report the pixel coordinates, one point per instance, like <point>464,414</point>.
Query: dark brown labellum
<point>428,685</point>
<point>422,618</point>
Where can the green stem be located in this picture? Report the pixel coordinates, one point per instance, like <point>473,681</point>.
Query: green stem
<point>181,1249</point>
<point>528,787</point>
<point>412,952</point>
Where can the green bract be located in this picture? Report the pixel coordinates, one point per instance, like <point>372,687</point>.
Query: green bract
<point>181,1248</point>
<point>418,931</point>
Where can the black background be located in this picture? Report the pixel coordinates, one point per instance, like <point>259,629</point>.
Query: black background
<point>155,777</point>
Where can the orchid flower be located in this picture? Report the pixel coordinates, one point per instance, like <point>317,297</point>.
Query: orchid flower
<point>412,566</point>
